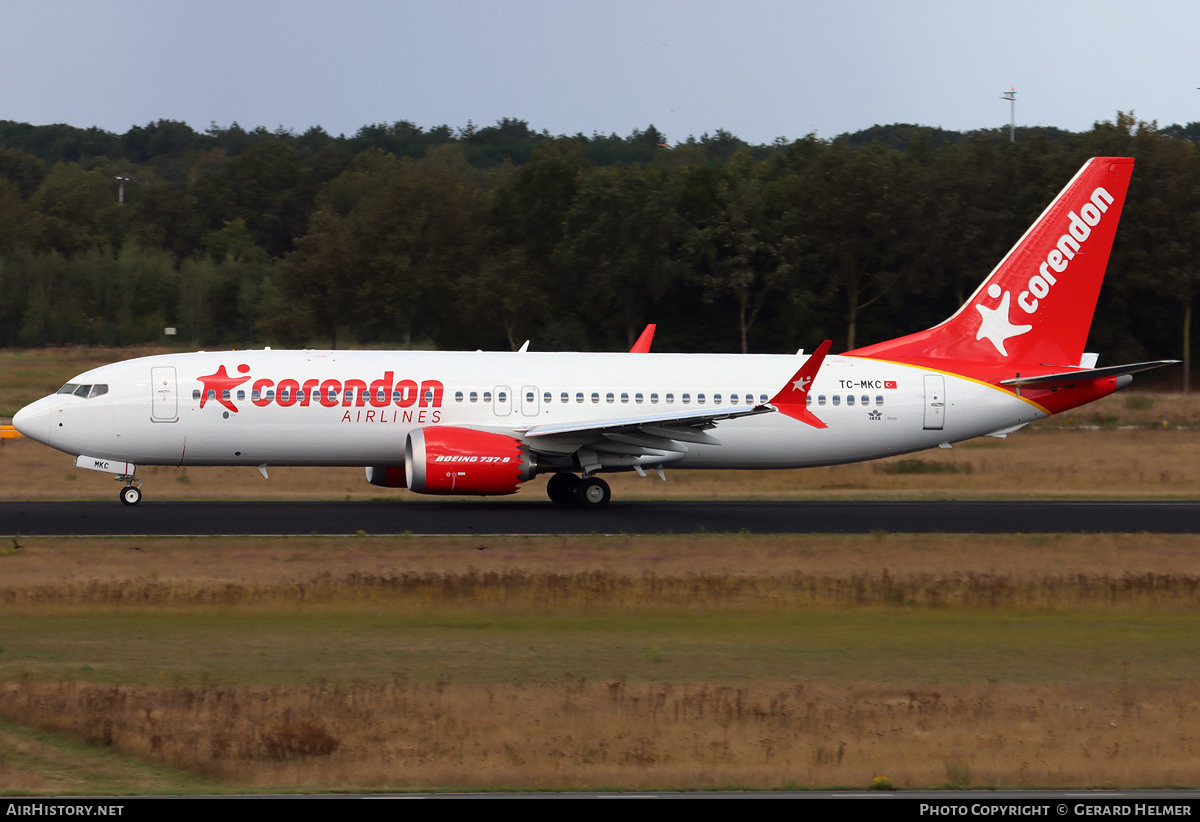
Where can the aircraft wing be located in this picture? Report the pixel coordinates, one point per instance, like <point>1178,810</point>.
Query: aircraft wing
<point>699,418</point>
<point>642,346</point>
<point>663,436</point>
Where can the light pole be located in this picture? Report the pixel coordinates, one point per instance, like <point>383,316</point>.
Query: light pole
<point>1011,97</point>
<point>121,181</point>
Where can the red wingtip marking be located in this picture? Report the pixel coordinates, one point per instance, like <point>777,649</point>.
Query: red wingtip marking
<point>792,399</point>
<point>642,346</point>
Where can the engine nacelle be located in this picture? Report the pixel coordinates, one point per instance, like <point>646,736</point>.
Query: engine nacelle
<point>387,476</point>
<point>449,460</point>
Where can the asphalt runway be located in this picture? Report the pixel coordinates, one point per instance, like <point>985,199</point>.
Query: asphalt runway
<point>536,517</point>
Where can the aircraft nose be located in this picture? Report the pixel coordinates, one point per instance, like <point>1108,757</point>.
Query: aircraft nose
<point>34,420</point>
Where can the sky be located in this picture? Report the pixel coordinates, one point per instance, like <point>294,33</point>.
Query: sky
<point>760,69</point>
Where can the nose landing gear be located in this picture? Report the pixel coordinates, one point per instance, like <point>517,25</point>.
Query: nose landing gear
<point>131,494</point>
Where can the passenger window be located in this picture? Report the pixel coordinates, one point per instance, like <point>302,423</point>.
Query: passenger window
<point>529,395</point>
<point>566,398</point>
<point>762,399</point>
<point>879,399</point>
<point>716,399</point>
<point>849,399</point>
<point>487,396</point>
<point>196,394</point>
<point>837,399</point>
<point>547,397</point>
<point>624,398</point>
<point>458,396</point>
<point>865,399</point>
<point>637,398</point>
<point>700,399</point>
<point>654,399</point>
<point>670,398</point>
<point>609,397</point>
<point>595,397</point>
<point>821,399</point>
<point>474,396</point>
<point>579,396</point>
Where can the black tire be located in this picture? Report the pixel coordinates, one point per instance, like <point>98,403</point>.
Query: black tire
<point>563,488</point>
<point>131,495</point>
<point>593,493</point>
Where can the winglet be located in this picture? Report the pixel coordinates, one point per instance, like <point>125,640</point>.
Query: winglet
<point>792,399</point>
<point>642,346</point>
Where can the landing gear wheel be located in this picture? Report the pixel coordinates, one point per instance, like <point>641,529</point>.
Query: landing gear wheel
<point>131,495</point>
<point>563,488</point>
<point>593,493</point>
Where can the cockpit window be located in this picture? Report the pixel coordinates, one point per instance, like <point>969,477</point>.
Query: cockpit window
<point>85,391</point>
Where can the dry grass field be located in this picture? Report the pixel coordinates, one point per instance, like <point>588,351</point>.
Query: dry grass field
<point>637,662</point>
<point>213,664</point>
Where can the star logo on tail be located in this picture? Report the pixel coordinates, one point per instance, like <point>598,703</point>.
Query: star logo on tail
<point>994,323</point>
<point>801,385</point>
<point>219,383</point>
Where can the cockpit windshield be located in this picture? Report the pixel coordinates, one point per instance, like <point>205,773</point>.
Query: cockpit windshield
<point>85,391</point>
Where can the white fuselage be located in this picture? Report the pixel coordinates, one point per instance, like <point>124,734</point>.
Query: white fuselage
<point>356,407</point>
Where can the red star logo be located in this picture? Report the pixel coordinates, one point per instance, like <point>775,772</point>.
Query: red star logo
<point>221,382</point>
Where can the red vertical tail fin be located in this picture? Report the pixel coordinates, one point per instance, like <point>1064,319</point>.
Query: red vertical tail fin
<point>1036,306</point>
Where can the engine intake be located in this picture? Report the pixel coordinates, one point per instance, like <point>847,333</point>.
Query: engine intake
<point>449,460</point>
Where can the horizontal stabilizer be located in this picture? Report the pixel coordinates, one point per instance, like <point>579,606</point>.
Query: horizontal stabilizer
<point>1071,377</point>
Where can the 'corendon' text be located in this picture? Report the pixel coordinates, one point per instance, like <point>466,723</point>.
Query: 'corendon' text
<point>1079,228</point>
<point>381,393</point>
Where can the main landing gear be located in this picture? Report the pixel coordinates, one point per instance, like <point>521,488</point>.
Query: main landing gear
<point>587,492</point>
<point>131,494</point>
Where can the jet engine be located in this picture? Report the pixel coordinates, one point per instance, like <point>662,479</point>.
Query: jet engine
<point>449,460</point>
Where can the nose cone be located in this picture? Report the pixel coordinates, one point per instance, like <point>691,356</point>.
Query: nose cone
<point>34,420</point>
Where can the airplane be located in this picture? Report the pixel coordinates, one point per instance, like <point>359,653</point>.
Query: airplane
<point>482,423</point>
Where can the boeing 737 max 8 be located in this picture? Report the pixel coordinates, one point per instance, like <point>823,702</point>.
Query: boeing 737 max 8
<point>484,422</point>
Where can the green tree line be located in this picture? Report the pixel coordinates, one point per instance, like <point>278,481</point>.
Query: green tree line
<point>483,237</point>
